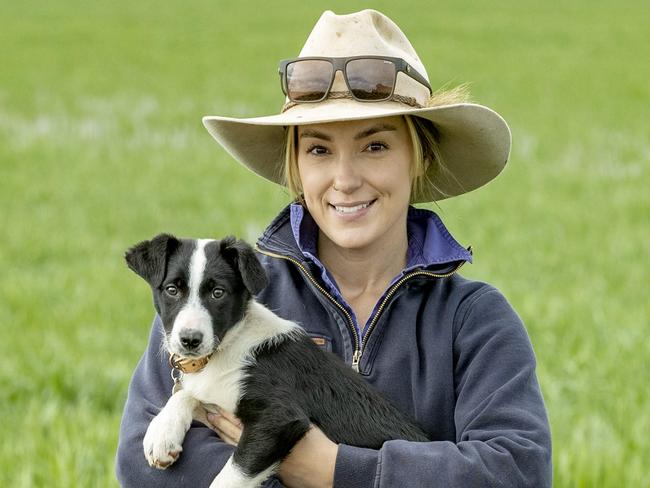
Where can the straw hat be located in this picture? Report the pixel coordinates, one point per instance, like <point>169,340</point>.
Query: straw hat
<point>474,140</point>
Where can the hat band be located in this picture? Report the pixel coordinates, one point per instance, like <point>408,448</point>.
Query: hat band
<point>410,101</point>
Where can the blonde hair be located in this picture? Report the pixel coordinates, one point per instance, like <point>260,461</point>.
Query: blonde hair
<point>427,166</point>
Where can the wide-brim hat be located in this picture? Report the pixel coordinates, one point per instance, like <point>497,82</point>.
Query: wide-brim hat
<point>474,141</point>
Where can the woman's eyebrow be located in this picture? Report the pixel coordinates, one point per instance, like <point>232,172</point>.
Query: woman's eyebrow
<point>373,130</point>
<point>315,134</point>
<point>361,135</point>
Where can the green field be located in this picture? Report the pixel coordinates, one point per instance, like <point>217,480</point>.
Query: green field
<point>101,146</point>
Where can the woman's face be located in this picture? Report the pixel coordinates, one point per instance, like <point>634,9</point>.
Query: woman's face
<point>356,180</point>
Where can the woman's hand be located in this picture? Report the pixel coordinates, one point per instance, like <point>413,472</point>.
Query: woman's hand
<point>310,464</point>
<point>226,425</point>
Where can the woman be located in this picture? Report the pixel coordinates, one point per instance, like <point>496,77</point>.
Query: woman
<point>373,279</point>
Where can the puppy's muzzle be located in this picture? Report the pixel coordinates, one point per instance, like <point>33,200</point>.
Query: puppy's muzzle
<point>194,343</point>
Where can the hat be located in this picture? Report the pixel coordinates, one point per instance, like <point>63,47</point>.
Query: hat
<point>474,141</point>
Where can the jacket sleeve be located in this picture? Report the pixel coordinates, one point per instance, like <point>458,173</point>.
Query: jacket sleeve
<point>204,454</point>
<point>502,432</point>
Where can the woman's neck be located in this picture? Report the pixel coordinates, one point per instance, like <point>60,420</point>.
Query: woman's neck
<point>364,274</point>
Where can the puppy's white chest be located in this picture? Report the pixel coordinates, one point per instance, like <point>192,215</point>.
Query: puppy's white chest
<point>220,382</point>
<point>217,383</point>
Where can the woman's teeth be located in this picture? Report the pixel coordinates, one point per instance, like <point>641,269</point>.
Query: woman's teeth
<point>356,208</point>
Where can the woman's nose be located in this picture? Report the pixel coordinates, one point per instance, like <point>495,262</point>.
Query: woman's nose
<point>346,176</point>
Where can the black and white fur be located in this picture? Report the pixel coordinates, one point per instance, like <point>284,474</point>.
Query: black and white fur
<point>264,369</point>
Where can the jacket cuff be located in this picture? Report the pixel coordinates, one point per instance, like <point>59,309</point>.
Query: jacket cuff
<point>356,467</point>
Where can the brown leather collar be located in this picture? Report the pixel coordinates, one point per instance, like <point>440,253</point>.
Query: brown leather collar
<point>188,365</point>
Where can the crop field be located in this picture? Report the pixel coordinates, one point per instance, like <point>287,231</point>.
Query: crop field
<point>101,146</point>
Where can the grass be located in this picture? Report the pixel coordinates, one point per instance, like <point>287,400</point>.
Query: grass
<point>101,146</point>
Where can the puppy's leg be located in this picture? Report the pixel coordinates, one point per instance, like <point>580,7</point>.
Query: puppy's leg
<point>164,438</point>
<point>233,476</point>
<point>262,446</point>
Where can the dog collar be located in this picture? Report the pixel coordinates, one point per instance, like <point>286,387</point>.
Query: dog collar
<point>188,365</point>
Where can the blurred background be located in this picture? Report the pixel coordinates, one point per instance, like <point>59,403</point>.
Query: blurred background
<point>101,146</point>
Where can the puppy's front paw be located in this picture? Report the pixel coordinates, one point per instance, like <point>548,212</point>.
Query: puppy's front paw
<point>163,441</point>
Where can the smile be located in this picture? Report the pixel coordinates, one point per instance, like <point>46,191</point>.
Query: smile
<point>350,209</point>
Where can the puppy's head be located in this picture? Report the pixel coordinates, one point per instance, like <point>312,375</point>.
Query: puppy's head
<point>201,288</point>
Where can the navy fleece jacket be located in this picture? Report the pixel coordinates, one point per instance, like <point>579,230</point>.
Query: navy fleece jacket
<point>448,351</point>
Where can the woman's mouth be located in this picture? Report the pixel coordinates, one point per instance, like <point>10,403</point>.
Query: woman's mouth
<point>352,209</point>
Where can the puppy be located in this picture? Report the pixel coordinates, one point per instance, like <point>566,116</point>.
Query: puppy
<point>261,367</point>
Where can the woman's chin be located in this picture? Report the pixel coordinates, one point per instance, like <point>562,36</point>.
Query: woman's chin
<point>352,239</point>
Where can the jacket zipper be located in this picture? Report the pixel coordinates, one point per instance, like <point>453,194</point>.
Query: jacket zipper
<point>327,294</point>
<point>389,295</point>
<point>359,346</point>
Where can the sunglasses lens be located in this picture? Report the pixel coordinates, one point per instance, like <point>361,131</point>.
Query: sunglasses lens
<point>308,80</point>
<point>371,79</point>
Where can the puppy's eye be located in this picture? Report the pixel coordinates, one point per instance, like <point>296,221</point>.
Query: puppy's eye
<point>217,292</point>
<point>171,290</point>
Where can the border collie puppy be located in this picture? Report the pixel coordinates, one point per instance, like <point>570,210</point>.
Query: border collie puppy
<point>261,367</point>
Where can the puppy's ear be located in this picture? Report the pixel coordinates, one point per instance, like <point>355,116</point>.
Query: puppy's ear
<point>149,258</point>
<point>251,270</point>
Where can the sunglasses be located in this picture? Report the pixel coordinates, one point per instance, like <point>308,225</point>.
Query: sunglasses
<point>369,78</point>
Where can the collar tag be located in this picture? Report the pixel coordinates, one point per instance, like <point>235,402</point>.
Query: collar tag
<point>178,385</point>
<point>176,374</point>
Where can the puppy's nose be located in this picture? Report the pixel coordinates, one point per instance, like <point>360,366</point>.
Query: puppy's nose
<point>190,339</point>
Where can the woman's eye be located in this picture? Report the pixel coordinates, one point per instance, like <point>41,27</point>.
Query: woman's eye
<point>217,293</point>
<point>171,290</point>
<point>376,147</point>
<point>317,150</point>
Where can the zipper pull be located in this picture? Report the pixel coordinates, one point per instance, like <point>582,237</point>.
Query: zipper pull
<point>356,358</point>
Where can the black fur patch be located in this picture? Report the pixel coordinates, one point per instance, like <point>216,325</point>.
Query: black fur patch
<point>317,386</point>
<point>250,269</point>
<point>148,258</point>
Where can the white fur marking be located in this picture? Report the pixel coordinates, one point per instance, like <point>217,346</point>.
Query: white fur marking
<point>231,476</point>
<point>197,269</point>
<point>194,315</point>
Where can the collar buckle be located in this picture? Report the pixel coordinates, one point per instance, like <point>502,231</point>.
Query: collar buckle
<point>188,365</point>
